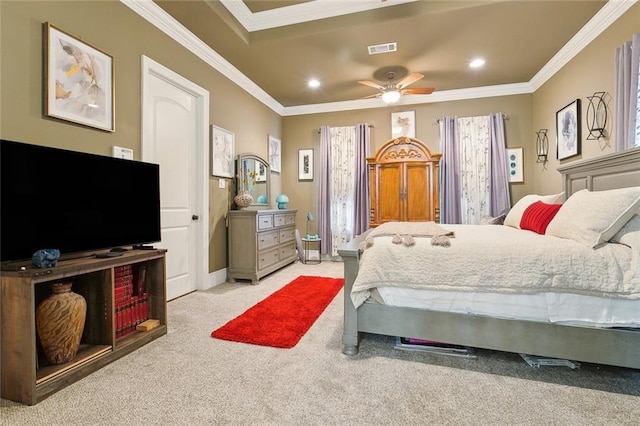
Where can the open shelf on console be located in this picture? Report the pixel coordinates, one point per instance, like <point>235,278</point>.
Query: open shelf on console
<point>93,278</point>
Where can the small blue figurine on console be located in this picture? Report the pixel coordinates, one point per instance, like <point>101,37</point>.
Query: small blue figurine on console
<point>45,258</point>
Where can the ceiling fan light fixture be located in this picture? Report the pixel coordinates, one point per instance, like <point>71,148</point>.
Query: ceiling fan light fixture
<point>391,96</point>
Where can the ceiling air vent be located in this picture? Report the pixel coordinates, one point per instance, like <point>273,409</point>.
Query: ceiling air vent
<point>383,48</point>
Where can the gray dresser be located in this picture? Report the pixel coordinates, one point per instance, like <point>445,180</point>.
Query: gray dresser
<point>260,242</point>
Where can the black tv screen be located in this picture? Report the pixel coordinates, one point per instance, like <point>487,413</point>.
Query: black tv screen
<point>74,202</point>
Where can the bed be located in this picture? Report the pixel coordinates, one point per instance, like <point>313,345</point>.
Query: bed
<point>611,343</point>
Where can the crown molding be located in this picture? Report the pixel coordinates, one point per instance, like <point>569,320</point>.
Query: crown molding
<point>440,96</point>
<point>611,11</point>
<point>153,13</point>
<point>303,12</point>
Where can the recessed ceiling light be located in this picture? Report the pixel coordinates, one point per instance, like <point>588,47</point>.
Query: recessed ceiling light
<point>313,83</point>
<point>476,63</point>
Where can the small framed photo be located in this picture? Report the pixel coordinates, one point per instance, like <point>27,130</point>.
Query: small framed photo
<point>222,152</point>
<point>514,165</point>
<point>78,81</point>
<point>305,164</point>
<point>568,131</point>
<point>403,124</point>
<point>275,154</point>
<point>261,171</point>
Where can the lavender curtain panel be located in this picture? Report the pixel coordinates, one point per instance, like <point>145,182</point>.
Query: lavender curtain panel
<point>450,195</point>
<point>361,188</point>
<point>499,190</point>
<point>627,58</point>
<point>324,204</point>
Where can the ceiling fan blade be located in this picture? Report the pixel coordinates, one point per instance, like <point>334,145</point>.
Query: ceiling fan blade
<point>377,95</point>
<point>371,84</point>
<point>418,91</point>
<point>411,78</point>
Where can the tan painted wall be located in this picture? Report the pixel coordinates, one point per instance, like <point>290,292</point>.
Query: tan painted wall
<point>300,132</point>
<point>120,32</point>
<point>592,70</point>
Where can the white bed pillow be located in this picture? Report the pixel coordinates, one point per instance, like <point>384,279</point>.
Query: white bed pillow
<point>594,217</point>
<point>515,214</point>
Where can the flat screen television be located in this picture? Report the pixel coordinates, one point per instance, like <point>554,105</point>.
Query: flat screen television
<point>75,202</point>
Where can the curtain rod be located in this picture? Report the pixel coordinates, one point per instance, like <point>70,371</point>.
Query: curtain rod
<point>505,116</point>
<point>370,126</point>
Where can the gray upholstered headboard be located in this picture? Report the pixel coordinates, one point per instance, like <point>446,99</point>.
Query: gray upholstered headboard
<point>618,170</point>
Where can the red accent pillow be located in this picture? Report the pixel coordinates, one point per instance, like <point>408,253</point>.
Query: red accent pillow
<point>537,216</point>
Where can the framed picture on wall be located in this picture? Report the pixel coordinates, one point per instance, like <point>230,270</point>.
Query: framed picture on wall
<point>275,154</point>
<point>222,152</point>
<point>403,124</point>
<point>514,165</point>
<point>568,130</point>
<point>305,164</point>
<point>78,81</point>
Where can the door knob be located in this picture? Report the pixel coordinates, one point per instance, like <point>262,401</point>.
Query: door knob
<point>195,217</point>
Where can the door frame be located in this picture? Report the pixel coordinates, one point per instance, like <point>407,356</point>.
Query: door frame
<point>201,150</point>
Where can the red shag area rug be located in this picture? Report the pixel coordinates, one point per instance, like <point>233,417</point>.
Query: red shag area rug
<point>283,318</point>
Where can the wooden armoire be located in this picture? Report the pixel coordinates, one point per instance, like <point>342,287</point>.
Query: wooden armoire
<point>404,183</point>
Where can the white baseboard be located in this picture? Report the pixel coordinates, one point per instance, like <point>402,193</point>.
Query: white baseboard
<point>216,278</point>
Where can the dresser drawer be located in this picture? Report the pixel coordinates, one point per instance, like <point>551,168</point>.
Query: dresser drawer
<point>268,258</point>
<point>288,250</point>
<point>267,239</point>
<point>265,221</point>
<point>284,219</point>
<point>290,219</point>
<point>287,234</point>
<point>279,220</point>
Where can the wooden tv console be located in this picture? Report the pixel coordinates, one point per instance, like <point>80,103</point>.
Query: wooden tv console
<point>25,373</point>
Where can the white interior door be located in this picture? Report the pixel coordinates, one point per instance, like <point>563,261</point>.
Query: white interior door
<point>175,136</point>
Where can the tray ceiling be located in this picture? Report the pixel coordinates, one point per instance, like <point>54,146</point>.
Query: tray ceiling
<point>280,45</point>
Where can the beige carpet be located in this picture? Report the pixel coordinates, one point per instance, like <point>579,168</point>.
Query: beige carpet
<point>189,378</point>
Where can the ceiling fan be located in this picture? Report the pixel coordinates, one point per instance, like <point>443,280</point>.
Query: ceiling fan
<point>391,92</point>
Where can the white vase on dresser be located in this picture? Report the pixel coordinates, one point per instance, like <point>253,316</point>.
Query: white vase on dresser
<point>260,242</point>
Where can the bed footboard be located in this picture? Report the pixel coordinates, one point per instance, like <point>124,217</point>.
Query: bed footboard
<point>351,257</point>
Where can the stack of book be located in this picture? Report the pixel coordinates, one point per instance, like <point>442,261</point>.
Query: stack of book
<point>131,298</point>
<point>420,345</point>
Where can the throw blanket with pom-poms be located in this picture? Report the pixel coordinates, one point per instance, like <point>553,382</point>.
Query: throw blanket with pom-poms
<point>405,232</point>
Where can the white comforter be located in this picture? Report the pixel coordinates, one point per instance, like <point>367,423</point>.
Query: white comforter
<point>497,258</point>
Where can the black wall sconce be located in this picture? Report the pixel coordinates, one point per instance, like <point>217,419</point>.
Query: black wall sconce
<point>542,146</point>
<point>596,116</point>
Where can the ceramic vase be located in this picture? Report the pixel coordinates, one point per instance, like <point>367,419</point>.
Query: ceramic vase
<point>243,200</point>
<point>60,322</point>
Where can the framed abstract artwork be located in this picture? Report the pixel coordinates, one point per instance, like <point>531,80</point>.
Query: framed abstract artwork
<point>514,165</point>
<point>275,154</point>
<point>305,164</point>
<point>568,130</point>
<point>403,124</point>
<point>222,152</point>
<point>78,81</point>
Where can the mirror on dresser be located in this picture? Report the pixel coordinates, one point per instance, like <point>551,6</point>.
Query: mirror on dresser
<point>253,177</point>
